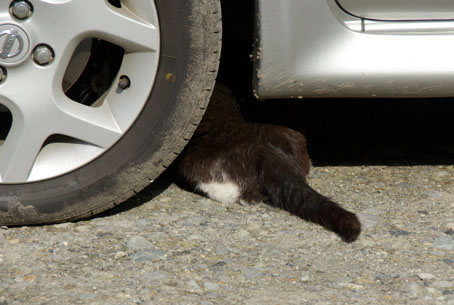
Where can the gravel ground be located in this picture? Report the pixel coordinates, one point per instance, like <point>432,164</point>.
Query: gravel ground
<point>169,246</point>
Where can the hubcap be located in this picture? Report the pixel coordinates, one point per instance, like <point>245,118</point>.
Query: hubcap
<point>75,76</point>
<point>14,44</point>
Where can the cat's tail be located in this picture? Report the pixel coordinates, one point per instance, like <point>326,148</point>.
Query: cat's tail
<point>287,188</point>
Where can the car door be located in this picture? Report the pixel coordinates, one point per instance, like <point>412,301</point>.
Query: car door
<point>400,9</point>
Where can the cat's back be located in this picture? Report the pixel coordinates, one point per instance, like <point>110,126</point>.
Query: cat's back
<point>222,122</point>
<point>224,128</point>
<point>223,106</point>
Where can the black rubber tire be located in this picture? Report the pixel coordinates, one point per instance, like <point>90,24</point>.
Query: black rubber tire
<point>190,50</point>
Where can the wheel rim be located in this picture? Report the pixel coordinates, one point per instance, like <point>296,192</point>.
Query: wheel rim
<point>53,130</point>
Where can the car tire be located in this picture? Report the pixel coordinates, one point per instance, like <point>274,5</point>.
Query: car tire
<point>190,34</point>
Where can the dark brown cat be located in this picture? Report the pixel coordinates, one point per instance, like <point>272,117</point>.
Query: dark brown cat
<point>231,160</point>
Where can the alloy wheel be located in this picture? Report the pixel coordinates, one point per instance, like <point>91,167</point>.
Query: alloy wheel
<point>68,93</point>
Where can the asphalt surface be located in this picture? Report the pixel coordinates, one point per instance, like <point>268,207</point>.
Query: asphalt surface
<point>390,161</point>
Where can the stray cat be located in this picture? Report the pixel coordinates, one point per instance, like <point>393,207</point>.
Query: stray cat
<point>231,160</point>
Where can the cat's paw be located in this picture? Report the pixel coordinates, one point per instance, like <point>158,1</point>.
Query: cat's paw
<point>349,228</point>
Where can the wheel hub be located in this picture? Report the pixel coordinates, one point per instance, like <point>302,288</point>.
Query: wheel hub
<point>70,59</point>
<point>14,44</point>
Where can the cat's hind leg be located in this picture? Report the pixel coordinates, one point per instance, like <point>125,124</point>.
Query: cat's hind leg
<point>226,191</point>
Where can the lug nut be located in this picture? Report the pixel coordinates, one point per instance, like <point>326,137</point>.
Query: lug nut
<point>21,9</point>
<point>43,55</point>
<point>124,82</point>
<point>2,74</point>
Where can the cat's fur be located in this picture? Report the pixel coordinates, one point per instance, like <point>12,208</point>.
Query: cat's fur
<point>231,160</point>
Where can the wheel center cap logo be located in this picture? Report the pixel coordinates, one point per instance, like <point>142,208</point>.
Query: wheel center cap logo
<point>11,43</point>
<point>14,43</point>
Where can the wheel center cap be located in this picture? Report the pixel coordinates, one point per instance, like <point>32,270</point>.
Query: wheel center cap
<point>14,44</point>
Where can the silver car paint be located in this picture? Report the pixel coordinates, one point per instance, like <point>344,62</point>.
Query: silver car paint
<point>312,48</point>
<point>400,9</point>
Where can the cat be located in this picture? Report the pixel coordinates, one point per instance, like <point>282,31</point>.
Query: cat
<point>231,160</point>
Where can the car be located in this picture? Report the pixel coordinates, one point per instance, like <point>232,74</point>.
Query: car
<point>98,98</point>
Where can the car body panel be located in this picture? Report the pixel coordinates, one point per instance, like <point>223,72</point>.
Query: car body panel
<point>400,9</point>
<point>312,48</point>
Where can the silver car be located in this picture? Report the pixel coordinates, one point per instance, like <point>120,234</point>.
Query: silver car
<point>98,97</point>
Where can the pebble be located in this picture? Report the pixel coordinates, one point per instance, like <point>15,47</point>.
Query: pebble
<point>147,255</point>
<point>441,176</point>
<point>143,222</point>
<point>397,233</point>
<point>404,185</point>
<point>253,226</point>
<point>443,284</point>
<point>87,296</point>
<point>343,281</point>
<point>367,242</point>
<point>137,242</point>
<point>316,288</point>
<point>242,234</point>
<point>120,254</point>
<point>251,273</point>
<point>154,276</point>
<point>434,194</point>
<point>412,288</point>
<point>425,276</point>
<point>355,286</point>
<point>196,237</point>
<point>432,290</point>
<point>383,277</point>
<point>368,221</point>
<point>445,242</point>
<point>64,225</point>
<point>83,228</point>
<point>305,278</point>
<point>211,286</point>
<point>194,287</point>
<point>14,241</point>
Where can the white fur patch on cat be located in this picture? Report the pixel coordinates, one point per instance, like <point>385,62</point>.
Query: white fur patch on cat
<point>225,192</point>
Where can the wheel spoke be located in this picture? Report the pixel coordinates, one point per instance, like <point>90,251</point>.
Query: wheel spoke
<point>121,27</point>
<point>96,19</point>
<point>18,153</point>
<point>27,94</point>
<point>42,111</point>
<point>95,126</point>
